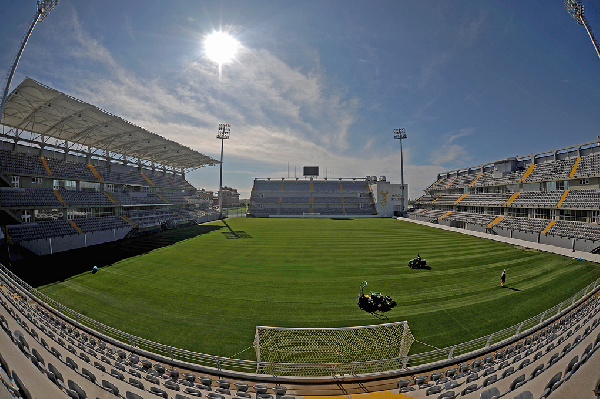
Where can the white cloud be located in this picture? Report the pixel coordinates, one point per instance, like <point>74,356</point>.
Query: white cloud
<point>450,154</point>
<point>279,114</point>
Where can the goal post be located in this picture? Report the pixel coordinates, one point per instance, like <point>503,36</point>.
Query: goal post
<point>332,345</point>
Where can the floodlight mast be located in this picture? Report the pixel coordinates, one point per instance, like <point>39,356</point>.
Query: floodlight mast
<point>43,9</point>
<point>576,9</point>
<point>400,134</point>
<point>223,134</point>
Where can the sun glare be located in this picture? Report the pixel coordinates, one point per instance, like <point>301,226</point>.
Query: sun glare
<point>220,47</point>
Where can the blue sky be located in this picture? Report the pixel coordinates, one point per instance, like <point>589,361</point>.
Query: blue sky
<point>326,82</point>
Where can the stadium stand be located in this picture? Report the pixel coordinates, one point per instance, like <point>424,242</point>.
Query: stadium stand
<point>87,187</point>
<point>51,352</point>
<point>343,197</point>
<point>551,197</point>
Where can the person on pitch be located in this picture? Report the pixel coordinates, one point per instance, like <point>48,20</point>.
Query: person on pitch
<point>503,278</point>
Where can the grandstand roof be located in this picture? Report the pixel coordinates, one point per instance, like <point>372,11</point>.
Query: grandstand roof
<point>37,108</point>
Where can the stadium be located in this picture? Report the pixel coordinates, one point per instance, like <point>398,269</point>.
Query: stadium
<point>119,281</point>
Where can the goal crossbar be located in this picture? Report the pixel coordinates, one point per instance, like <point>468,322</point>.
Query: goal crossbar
<point>332,345</point>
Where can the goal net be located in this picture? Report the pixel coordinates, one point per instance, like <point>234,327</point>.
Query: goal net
<point>332,345</point>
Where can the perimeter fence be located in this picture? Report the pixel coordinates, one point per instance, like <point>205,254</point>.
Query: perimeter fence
<point>233,367</point>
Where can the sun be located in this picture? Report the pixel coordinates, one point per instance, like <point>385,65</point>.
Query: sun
<point>220,47</point>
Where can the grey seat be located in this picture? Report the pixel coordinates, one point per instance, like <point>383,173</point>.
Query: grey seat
<point>490,380</point>
<point>118,375</point>
<point>508,372</point>
<point>517,382</point>
<point>435,376</point>
<point>551,385</point>
<point>401,383</point>
<point>524,395</point>
<point>75,387</point>
<point>136,383</point>
<point>192,391</point>
<point>433,390</point>
<point>132,395</point>
<point>204,380</point>
<point>448,395</point>
<point>490,393</point>
<point>23,391</point>
<point>571,367</point>
<point>171,385</point>
<point>469,389</point>
<point>89,375</point>
<point>524,363</point>
<point>537,371</point>
<point>71,363</point>
<point>262,389</point>
<point>110,387</point>
<point>158,392</point>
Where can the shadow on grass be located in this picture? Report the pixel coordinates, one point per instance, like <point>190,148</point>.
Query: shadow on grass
<point>234,234</point>
<point>511,288</point>
<point>48,269</point>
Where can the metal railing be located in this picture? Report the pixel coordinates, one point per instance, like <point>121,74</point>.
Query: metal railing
<point>286,371</point>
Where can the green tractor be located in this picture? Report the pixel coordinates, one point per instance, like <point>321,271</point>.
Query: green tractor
<point>417,263</point>
<point>375,302</point>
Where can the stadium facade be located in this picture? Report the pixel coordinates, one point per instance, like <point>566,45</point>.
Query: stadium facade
<point>312,197</point>
<point>552,197</point>
<point>73,175</point>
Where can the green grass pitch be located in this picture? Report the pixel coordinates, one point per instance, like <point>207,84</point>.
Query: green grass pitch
<point>208,293</point>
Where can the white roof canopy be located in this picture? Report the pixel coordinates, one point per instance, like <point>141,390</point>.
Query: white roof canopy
<point>40,109</point>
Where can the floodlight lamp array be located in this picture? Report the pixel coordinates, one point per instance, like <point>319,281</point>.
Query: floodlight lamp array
<point>224,130</point>
<point>44,7</point>
<point>575,9</point>
<point>400,133</point>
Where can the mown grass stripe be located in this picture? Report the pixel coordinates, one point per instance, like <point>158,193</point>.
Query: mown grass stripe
<point>207,293</point>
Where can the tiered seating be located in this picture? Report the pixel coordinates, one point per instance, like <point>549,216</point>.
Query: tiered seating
<point>298,197</point>
<point>32,197</point>
<point>462,181</point>
<point>59,359</point>
<point>566,228</point>
<point>473,218</point>
<point>582,199</point>
<point>588,166</point>
<point>174,198</point>
<point>354,186</point>
<point>296,185</point>
<point>538,364</point>
<point>15,162</point>
<point>485,199</point>
<point>90,225</point>
<point>84,198</point>
<point>127,198</point>
<point>534,199</point>
<point>523,224</point>
<point>37,230</point>
<point>43,356</point>
<point>448,199</point>
<point>552,170</point>
<point>153,217</point>
<point>131,178</point>
<point>70,170</point>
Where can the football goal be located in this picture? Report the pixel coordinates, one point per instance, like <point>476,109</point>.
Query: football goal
<point>332,345</point>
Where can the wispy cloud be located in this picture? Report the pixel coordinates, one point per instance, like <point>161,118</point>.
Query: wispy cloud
<point>451,153</point>
<point>279,114</point>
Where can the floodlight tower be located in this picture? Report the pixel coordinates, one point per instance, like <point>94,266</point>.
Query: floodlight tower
<point>400,134</point>
<point>223,134</point>
<point>43,9</point>
<point>575,8</point>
